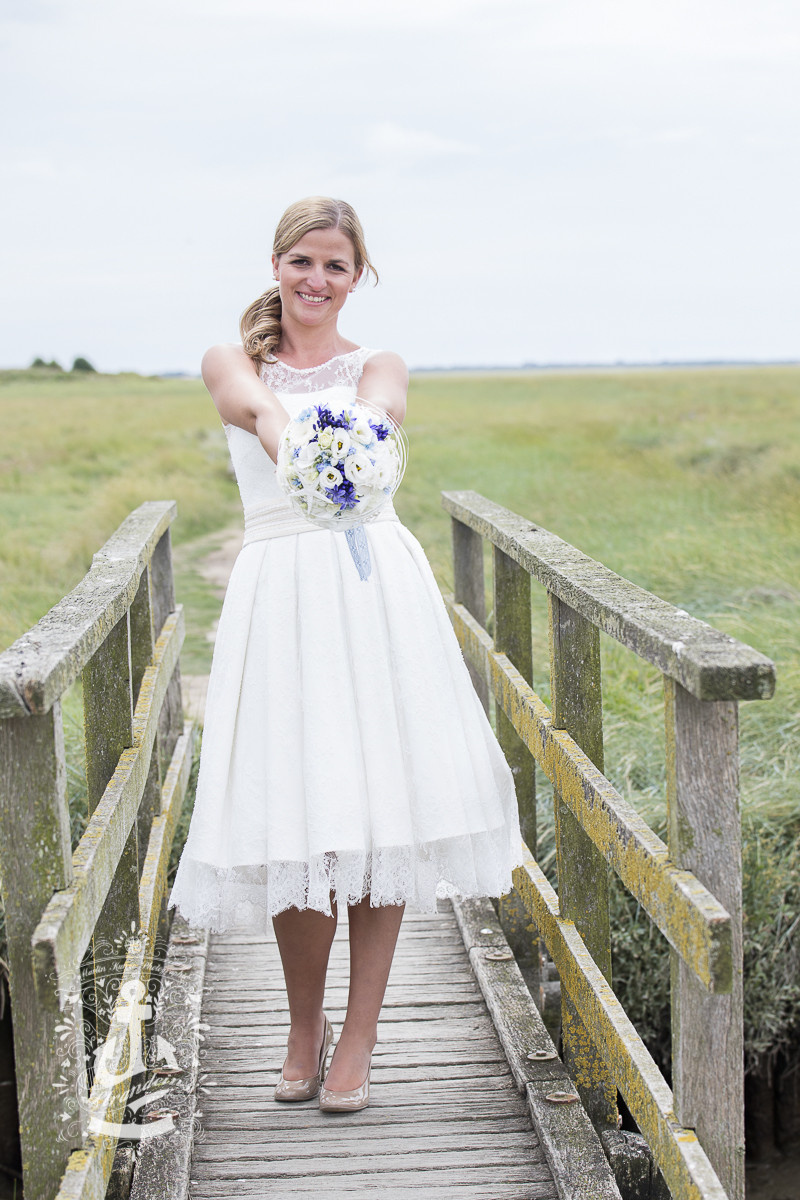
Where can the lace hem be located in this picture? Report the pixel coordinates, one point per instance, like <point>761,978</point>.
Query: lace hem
<point>224,898</point>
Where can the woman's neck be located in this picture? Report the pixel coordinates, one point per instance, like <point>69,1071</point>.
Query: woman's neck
<point>310,347</point>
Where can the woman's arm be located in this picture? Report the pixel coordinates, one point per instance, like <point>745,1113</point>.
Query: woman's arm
<point>242,399</point>
<point>385,382</point>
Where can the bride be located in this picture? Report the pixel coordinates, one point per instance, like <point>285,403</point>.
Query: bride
<point>346,757</point>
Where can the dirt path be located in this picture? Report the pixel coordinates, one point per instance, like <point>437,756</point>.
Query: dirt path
<point>215,568</point>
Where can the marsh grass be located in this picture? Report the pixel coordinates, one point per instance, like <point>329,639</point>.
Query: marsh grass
<point>685,481</point>
<point>78,453</point>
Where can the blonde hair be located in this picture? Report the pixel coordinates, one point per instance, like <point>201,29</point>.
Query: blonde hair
<point>260,324</point>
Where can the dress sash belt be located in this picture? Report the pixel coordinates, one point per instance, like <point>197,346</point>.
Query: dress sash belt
<point>262,521</point>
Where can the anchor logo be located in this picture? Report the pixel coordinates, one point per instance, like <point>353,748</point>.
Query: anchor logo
<point>127,1021</point>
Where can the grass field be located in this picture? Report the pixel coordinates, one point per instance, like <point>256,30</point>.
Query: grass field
<point>685,481</point>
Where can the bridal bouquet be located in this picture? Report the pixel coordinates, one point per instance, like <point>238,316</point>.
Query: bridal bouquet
<point>340,468</point>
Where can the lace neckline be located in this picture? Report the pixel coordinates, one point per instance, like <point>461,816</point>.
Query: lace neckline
<point>306,370</point>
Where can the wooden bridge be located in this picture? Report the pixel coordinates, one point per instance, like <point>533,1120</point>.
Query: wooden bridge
<point>470,1098</point>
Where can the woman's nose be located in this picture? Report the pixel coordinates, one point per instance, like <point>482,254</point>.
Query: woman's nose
<point>316,277</point>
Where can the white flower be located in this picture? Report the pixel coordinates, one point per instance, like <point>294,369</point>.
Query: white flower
<point>302,430</point>
<point>329,477</point>
<point>340,444</point>
<point>308,452</point>
<point>325,438</point>
<point>358,468</point>
<point>385,471</point>
<point>363,431</point>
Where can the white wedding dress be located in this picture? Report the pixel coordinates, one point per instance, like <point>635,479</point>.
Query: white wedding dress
<point>344,746</point>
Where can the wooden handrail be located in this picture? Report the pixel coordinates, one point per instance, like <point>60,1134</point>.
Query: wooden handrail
<point>39,667</point>
<point>706,662</point>
<point>82,927</point>
<point>691,888</point>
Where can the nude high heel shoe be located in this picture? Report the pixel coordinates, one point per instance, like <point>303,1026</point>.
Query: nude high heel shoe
<point>306,1089</point>
<point>350,1101</point>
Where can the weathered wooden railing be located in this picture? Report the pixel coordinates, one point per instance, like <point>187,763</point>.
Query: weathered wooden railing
<point>82,926</point>
<point>691,889</point>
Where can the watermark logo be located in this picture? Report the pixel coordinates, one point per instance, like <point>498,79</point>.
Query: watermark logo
<point>132,1062</point>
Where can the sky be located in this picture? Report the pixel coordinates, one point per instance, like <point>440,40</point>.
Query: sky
<point>540,181</point>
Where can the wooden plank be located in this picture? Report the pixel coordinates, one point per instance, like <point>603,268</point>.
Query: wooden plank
<point>280,1139</point>
<point>35,859</point>
<point>461,1162</point>
<point>468,585</point>
<point>400,1092</point>
<point>447,1113</point>
<point>108,731</point>
<point>235,1060</point>
<point>512,637</point>
<point>483,1184</point>
<point>569,1141</point>
<point>706,662</point>
<point>39,667</point>
<point>577,708</point>
<point>690,917</point>
<point>142,644</point>
<point>705,838</point>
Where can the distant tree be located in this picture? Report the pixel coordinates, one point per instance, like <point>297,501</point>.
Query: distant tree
<point>50,366</point>
<point>82,364</point>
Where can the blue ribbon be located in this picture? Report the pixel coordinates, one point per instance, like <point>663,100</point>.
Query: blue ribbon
<point>359,549</point>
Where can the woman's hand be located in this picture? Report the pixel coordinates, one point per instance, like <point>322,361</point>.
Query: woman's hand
<point>385,383</point>
<point>242,399</point>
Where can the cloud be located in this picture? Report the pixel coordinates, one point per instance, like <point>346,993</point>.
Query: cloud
<point>394,141</point>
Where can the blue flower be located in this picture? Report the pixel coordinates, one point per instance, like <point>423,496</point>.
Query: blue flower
<point>380,431</point>
<point>327,419</point>
<point>343,494</point>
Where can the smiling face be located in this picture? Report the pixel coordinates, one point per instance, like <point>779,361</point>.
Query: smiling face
<point>315,276</point>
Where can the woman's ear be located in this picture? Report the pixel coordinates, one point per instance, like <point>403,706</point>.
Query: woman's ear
<point>356,278</point>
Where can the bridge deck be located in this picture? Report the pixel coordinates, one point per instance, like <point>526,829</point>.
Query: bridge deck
<point>444,1119</point>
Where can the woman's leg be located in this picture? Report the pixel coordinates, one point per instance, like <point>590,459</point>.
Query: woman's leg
<point>373,937</point>
<point>304,941</point>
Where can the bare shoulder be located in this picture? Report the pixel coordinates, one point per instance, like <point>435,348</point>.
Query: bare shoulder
<point>385,381</point>
<point>388,363</point>
<point>226,358</point>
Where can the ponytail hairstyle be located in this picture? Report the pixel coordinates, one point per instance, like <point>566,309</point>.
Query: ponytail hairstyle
<point>260,324</point>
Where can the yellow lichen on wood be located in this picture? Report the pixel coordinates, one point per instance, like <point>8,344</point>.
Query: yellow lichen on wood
<point>676,1150</point>
<point>68,921</point>
<point>692,920</point>
<point>89,1169</point>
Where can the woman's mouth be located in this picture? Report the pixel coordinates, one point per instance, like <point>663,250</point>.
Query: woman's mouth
<point>309,299</point>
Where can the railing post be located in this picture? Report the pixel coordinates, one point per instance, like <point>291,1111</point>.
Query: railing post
<point>577,707</point>
<point>35,861</point>
<point>468,588</point>
<point>512,637</point>
<point>108,723</point>
<point>705,838</point>
<point>162,603</point>
<point>142,640</point>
